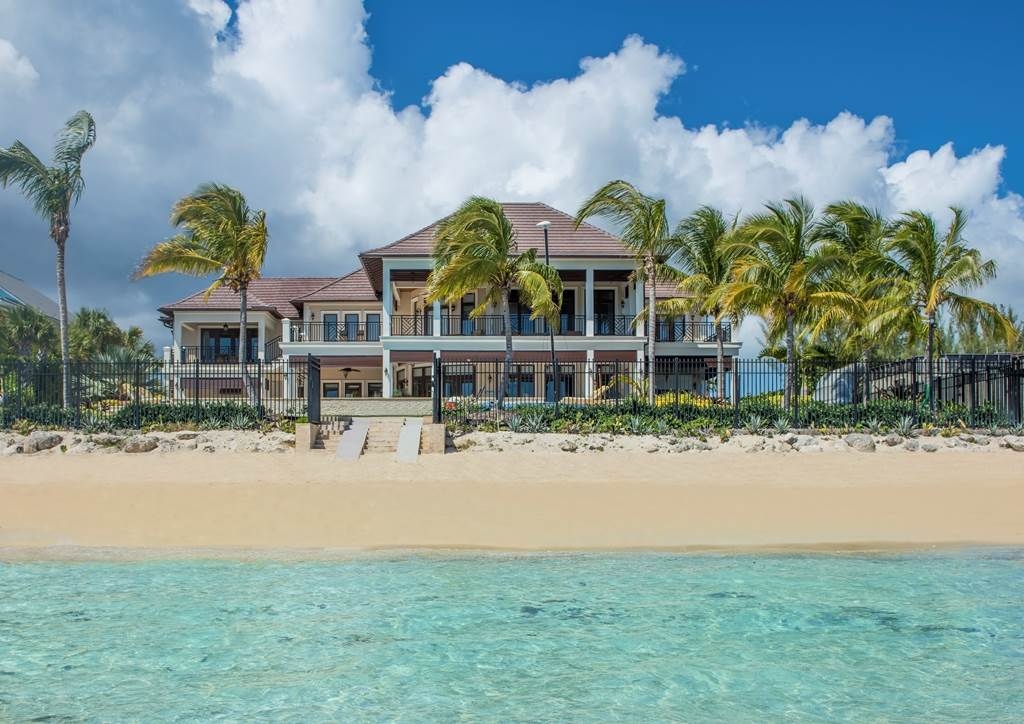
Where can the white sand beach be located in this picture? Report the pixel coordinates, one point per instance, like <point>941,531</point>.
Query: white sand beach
<point>59,506</point>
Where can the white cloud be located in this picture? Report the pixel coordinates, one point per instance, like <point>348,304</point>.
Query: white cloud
<point>288,110</point>
<point>16,70</point>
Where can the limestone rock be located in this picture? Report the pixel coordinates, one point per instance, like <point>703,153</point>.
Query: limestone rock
<point>929,447</point>
<point>567,446</point>
<point>1014,442</point>
<point>186,436</point>
<point>41,440</point>
<point>13,450</point>
<point>860,442</point>
<point>106,439</point>
<point>911,444</point>
<point>140,444</point>
<point>892,439</point>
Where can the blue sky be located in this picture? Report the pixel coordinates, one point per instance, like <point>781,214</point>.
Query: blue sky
<point>946,71</point>
<point>354,123</point>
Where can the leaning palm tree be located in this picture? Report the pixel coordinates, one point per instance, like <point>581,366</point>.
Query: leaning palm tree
<point>475,248</point>
<point>931,271</point>
<point>643,227</point>
<point>785,272</point>
<point>53,190</point>
<point>705,255</point>
<point>223,236</point>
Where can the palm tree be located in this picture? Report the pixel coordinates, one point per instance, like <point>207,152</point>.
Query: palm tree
<point>222,236</point>
<point>476,248</point>
<point>53,190</point>
<point>785,273</point>
<point>931,270</point>
<point>92,332</point>
<point>705,254</point>
<point>643,227</point>
<point>26,333</point>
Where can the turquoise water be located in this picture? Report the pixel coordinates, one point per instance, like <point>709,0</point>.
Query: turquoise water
<point>420,638</point>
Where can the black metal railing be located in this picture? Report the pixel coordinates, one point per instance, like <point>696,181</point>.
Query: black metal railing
<point>614,325</point>
<point>272,350</point>
<point>976,391</point>
<point>678,329</point>
<point>486,326</point>
<point>219,354</point>
<point>134,395</point>
<point>341,331</point>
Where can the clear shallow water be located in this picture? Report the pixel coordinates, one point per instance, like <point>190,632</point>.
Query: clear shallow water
<point>646,637</point>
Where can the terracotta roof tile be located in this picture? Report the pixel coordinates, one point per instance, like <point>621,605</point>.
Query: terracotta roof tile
<point>267,294</point>
<point>353,287</point>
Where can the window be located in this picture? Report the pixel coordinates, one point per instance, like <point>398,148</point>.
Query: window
<point>330,321</point>
<point>520,381</point>
<point>460,381</point>
<point>353,389</point>
<point>374,389</point>
<point>352,327</point>
<point>332,389</point>
<point>421,382</point>
<point>566,380</point>
<point>372,327</point>
<point>221,345</point>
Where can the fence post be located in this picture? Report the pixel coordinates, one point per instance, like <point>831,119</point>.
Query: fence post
<point>735,392</point>
<point>76,390</point>
<point>195,388</point>
<point>259,387</point>
<point>796,391</point>
<point>437,390</point>
<point>616,381</point>
<point>974,392</point>
<point>675,373</point>
<point>136,398</point>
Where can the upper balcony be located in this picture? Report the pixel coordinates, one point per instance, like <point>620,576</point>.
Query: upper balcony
<point>569,325</point>
<point>335,331</point>
<point>678,329</point>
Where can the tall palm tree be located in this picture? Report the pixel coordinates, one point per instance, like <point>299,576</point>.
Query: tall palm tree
<point>221,235</point>
<point>705,255</point>
<point>861,235</point>
<point>643,227</point>
<point>92,332</point>
<point>785,273</point>
<point>476,248</point>
<point>26,333</point>
<point>53,191</point>
<point>931,271</point>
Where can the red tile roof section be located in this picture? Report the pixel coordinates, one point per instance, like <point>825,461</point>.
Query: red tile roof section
<point>564,239</point>
<point>267,294</point>
<point>353,287</point>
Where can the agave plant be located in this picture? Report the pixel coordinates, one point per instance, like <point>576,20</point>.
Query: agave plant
<point>754,425</point>
<point>535,422</point>
<point>514,423</point>
<point>781,425</point>
<point>874,426</point>
<point>1018,428</point>
<point>905,426</point>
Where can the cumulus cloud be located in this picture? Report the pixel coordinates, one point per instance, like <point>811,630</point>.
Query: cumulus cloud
<point>279,100</point>
<point>16,70</point>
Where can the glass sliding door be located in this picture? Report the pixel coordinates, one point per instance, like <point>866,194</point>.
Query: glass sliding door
<point>330,325</point>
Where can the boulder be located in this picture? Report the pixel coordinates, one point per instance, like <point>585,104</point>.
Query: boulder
<point>892,439</point>
<point>860,442</point>
<point>41,440</point>
<point>140,444</point>
<point>186,436</point>
<point>12,450</point>
<point>106,439</point>
<point>911,444</point>
<point>567,446</point>
<point>1014,442</point>
<point>929,447</point>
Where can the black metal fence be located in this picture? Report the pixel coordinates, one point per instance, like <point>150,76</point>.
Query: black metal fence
<point>963,390</point>
<point>133,395</point>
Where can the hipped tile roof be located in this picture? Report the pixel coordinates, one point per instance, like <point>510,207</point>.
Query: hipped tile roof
<point>266,294</point>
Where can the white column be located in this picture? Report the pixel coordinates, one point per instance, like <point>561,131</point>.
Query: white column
<point>588,295</point>
<point>289,387</point>
<point>286,331</point>
<point>386,373</point>
<point>386,304</point>
<point>437,318</point>
<point>588,375</point>
<point>177,340</point>
<point>261,336</point>
<point>638,305</point>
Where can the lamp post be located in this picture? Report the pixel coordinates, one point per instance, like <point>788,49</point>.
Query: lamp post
<point>551,330</point>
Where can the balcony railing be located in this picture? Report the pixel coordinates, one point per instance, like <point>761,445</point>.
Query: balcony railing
<point>485,326</point>
<point>216,355</point>
<point>335,331</point>
<point>613,325</point>
<point>683,330</point>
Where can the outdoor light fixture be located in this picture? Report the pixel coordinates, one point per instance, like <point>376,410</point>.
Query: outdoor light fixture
<point>345,371</point>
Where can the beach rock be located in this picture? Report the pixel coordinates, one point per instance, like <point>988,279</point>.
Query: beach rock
<point>653,448</point>
<point>106,439</point>
<point>140,444</point>
<point>83,448</point>
<point>41,440</point>
<point>978,439</point>
<point>567,446</point>
<point>702,445</point>
<point>803,441</point>
<point>12,450</point>
<point>186,436</point>
<point>810,448</point>
<point>892,439</point>
<point>1014,442</point>
<point>929,447</point>
<point>911,444</point>
<point>860,442</point>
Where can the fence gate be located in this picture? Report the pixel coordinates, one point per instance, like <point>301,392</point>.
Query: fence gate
<point>313,388</point>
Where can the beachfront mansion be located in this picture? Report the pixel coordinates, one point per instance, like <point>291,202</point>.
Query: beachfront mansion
<point>376,334</point>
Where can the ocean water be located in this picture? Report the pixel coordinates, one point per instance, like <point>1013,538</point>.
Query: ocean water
<point>431,637</point>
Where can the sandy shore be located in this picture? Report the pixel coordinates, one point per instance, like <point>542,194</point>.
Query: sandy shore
<point>231,503</point>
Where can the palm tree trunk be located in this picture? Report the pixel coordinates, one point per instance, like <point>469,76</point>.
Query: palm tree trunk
<point>62,323</point>
<point>506,318</point>
<point>790,360</point>
<point>931,362</point>
<point>719,361</point>
<point>243,347</point>
<point>651,331</point>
